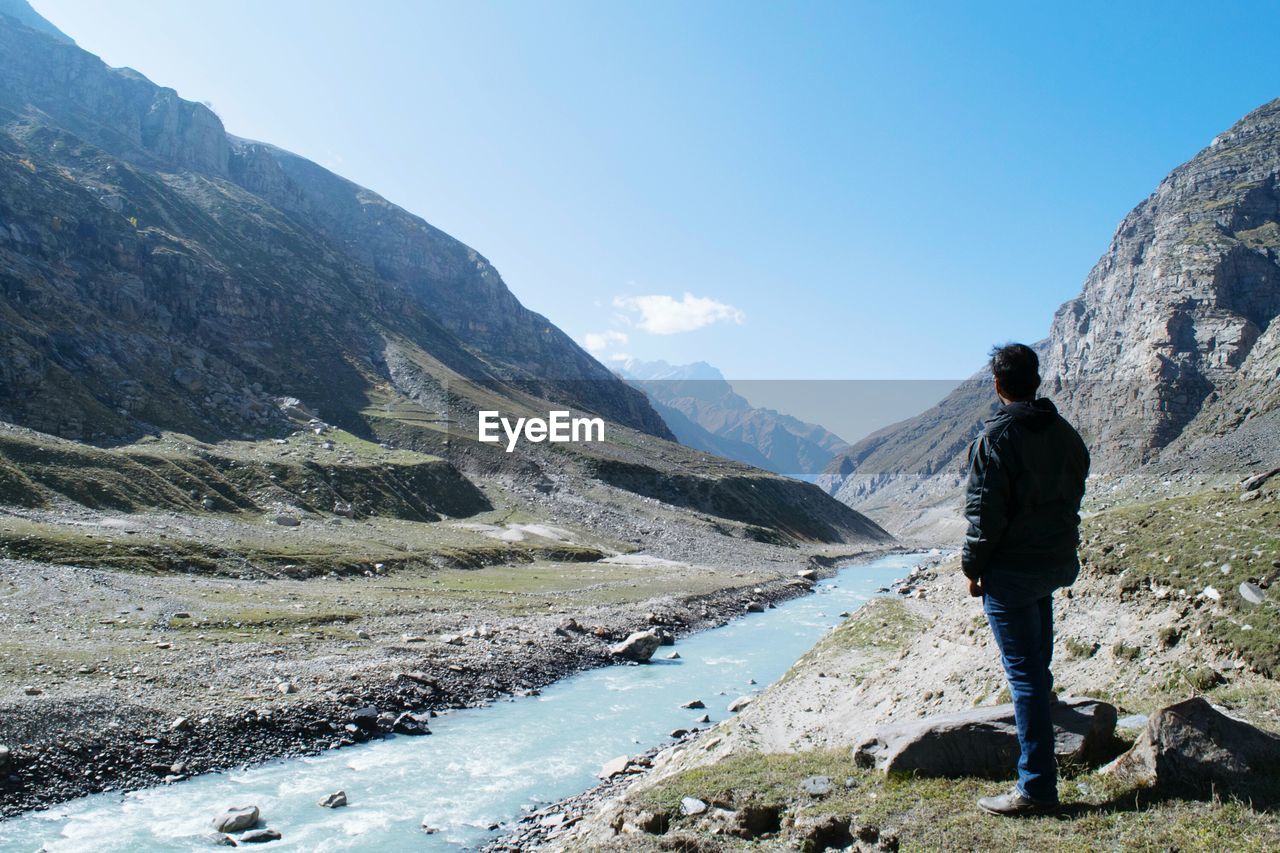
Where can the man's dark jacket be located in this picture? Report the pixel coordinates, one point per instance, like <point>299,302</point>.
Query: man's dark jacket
<point>1026,480</point>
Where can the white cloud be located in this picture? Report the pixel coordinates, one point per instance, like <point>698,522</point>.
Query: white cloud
<point>598,342</point>
<point>665,315</point>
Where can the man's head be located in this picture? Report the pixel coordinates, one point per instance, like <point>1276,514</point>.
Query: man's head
<point>1016,369</point>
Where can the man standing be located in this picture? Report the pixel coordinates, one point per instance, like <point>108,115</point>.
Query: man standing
<point>1026,480</point>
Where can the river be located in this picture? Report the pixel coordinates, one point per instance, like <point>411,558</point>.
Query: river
<point>480,766</point>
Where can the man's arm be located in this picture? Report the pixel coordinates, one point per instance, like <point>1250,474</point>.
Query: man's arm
<point>985,506</point>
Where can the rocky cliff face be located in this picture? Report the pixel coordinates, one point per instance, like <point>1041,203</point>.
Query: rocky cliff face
<point>705,412</point>
<point>158,272</point>
<point>1168,361</point>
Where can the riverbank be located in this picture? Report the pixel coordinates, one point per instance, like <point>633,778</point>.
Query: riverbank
<point>129,680</point>
<point>1156,617</point>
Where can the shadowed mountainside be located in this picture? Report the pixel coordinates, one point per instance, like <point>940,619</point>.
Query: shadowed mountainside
<point>159,272</point>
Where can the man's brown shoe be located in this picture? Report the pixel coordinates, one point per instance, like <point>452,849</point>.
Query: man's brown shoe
<point>1015,804</point>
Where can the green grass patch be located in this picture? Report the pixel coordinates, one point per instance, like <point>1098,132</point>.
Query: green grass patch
<point>1077,649</point>
<point>881,628</point>
<point>1180,546</point>
<point>940,814</point>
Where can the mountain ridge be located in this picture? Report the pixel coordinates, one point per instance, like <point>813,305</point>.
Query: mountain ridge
<point>59,99</point>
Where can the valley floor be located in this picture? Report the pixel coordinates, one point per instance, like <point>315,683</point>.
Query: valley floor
<point>144,647</point>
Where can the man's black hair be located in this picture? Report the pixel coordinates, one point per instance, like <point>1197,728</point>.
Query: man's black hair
<point>1017,367</point>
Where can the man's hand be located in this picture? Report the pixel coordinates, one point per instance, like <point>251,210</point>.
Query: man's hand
<point>975,588</point>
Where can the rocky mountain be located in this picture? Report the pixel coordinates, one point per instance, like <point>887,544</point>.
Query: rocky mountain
<point>1168,361</point>
<point>161,273</point>
<point>159,276</point>
<point>704,412</point>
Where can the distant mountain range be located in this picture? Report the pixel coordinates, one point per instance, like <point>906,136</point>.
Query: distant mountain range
<point>1168,361</point>
<point>703,411</point>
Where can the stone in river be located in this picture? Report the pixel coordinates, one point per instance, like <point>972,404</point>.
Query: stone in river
<point>639,646</point>
<point>259,836</point>
<point>236,818</point>
<point>335,800</point>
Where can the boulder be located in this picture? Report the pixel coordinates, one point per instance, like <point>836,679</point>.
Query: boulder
<point>1193,749</point>
<point>615,767</point>
<point>236,818</point>
<point>365,717</point>
<point>286,521</point>
<point>738,704</point>
<point>984,741</point>
<point>639,646</point>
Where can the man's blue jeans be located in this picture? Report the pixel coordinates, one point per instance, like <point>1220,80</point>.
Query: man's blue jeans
<point>1024,634</point>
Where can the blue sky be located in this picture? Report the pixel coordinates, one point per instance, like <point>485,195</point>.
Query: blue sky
<point>788,191</point>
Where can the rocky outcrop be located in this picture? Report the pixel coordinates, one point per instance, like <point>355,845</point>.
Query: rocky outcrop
<point>1193,749</point>
<point>1168,356</point>
<point>984,741</point>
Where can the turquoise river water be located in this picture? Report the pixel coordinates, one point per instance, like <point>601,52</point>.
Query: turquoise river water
<point>480,766</point>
